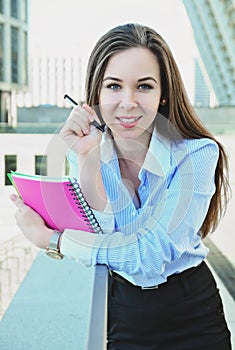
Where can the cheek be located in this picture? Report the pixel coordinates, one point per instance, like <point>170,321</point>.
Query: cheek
<point>150,103</point>
<point>108,97</point>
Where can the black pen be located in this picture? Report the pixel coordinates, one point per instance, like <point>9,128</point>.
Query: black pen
<point>74,103</point>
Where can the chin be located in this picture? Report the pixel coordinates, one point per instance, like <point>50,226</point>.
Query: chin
<point>129,134</point>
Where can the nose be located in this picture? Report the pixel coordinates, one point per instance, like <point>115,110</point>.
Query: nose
<point>128,101</point>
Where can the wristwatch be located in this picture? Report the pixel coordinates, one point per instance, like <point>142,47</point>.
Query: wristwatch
<point>53,250</point>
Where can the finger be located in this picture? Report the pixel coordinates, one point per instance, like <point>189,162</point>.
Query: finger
<point>18,202</point>
<point>94,119</point>
<point>82,118</point>
<point>88,109</point>
<point>91,111</point>
<point>83,124</point>
<point>73,127</point>
<point>76,127</point>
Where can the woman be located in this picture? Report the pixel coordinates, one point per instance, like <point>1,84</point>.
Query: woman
<point>155,180</point>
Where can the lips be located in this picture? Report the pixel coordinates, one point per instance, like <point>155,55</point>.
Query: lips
<point>128,122</point>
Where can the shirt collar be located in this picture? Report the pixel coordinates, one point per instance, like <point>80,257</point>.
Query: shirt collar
<point>158,157</point>
<point>107,148</point>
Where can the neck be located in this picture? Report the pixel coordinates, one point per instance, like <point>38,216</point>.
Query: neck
<point>132,149</point>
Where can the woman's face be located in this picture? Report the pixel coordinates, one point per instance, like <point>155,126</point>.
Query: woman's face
<point>130,93</point>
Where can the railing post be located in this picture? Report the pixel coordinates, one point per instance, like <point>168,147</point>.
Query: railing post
<point>98,316</point>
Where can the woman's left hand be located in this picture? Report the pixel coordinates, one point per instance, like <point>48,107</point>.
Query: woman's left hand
<point>31,224</point>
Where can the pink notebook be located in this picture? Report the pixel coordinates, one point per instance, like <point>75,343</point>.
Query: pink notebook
<point>58,200</point>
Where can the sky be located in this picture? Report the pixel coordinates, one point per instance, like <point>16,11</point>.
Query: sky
<point>72,27</point>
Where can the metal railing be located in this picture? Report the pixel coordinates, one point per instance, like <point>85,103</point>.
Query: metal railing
<point>16,258</point>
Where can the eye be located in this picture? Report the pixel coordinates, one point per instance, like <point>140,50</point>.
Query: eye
<point>145,87</point>
<point>114,86</point>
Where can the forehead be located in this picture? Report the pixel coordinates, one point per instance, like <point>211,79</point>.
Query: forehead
<point>135,60</point>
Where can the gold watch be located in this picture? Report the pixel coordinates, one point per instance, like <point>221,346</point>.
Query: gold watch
<point>53,250</point>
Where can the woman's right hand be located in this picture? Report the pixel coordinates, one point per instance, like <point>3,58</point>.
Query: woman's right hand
<point>78,133</point>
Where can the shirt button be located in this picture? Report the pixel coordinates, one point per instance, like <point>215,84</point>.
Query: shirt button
<point>144,187</point>
<point>133,213</point>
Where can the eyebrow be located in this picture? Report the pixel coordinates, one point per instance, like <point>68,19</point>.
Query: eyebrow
<point>147,78</point>
<point>139,80</point>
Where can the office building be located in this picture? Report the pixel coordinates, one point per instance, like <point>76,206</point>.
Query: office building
<point>201,91</point>
<point>213,23</point>
<point>13,56</point>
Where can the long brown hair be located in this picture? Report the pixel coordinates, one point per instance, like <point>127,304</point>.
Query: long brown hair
<point>178,111</point>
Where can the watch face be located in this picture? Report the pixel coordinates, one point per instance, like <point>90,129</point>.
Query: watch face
<point>54,254</point>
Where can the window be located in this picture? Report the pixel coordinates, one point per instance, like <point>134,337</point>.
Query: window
<point>25,11</point>
<point>1,52</point>
<point>14,55</point>
<point>14,8</point>
<point>10,164</point>
<point>41,165</point>
<point>1,6</point>
<point>25,58</point>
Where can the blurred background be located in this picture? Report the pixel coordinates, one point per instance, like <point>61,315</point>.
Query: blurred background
<point>44,47</point>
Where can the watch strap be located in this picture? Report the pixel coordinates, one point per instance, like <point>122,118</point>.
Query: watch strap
<point>55,240</point>
<point>53,249</point>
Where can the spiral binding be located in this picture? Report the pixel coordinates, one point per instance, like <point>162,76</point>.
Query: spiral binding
<point>83,206</point>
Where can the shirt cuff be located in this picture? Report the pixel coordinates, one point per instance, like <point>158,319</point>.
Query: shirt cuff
<point>81,246</point>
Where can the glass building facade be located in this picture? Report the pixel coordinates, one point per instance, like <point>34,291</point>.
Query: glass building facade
<point>1,51</point>
<point>13,55</point>
<point>213,23</point>
<point>201,92</point>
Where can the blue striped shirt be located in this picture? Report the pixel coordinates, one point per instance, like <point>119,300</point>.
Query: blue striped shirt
<point>161,237</point>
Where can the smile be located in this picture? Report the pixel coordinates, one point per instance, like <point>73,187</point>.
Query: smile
<point>128,119</point>
<point>128,122</point>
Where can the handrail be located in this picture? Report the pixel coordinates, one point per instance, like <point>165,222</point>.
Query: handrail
<point>60,305</point>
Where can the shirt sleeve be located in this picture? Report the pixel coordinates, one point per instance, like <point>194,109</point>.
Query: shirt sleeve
<point>172,228</point>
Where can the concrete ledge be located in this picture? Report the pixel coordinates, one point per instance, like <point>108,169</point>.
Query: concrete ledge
<point>52,308</point>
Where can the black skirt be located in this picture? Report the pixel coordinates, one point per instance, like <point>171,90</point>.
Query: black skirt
<point>185,313</point>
